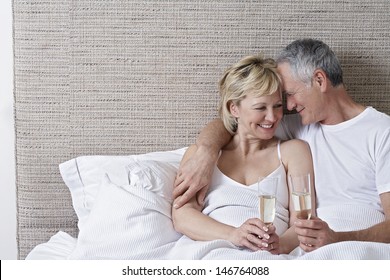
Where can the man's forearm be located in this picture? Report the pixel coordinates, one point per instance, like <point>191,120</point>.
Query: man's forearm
<point>196,168</point>
<point>377,233</point>
<point>213,136</point>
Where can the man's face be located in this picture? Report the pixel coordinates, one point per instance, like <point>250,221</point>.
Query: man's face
<point>305,99</point>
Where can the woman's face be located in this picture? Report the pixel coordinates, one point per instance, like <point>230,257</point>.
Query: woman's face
<point>258,117</point>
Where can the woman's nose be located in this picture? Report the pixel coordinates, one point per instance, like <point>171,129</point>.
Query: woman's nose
<point>270,115</point>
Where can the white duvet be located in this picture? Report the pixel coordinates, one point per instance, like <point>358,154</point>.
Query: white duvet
<point>130,218</point>
<point>154,240</point>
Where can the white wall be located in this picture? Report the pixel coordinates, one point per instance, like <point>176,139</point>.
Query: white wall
<point>8,249</point>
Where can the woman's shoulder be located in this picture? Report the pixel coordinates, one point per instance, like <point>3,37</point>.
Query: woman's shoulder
<point>294,147</point>
<point>294,142</point>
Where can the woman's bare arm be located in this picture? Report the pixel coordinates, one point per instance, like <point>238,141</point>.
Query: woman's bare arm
<point>297,159</point>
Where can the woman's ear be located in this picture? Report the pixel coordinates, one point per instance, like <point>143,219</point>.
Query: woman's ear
<point>233,109</point>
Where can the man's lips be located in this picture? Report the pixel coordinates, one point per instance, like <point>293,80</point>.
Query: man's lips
<point>299,111</point>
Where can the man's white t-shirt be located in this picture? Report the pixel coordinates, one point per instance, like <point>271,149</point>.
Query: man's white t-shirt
<point>351,159</point>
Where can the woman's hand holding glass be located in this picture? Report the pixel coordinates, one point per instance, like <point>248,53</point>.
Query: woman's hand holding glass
<point>256,235</point>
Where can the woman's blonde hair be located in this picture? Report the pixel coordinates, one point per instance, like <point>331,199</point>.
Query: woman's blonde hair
<point>251,75</point>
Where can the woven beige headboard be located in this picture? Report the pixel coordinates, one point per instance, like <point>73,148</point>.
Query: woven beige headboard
<point>118,77</point>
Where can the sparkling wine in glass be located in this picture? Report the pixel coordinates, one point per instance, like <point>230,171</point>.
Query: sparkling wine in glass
<point>267,187</point>
<point>301,195</point>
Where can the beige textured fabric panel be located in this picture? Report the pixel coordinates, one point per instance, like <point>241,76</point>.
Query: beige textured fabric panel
<point>119,77</point>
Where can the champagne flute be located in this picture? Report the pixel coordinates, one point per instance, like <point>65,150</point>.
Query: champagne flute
<point>266,190</point>
<point>301,195</point>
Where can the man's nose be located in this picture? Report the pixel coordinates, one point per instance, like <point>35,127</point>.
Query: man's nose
<point>291,105</point>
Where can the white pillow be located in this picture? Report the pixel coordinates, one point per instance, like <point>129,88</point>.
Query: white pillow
<point>155,176</point>
<point>84,175</point>
<point>131,221</point>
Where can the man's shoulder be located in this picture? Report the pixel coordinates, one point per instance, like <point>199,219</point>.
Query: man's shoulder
<point>374,112</point>
<point>380,119</point>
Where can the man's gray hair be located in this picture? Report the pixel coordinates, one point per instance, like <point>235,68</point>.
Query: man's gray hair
<point>306,55</point>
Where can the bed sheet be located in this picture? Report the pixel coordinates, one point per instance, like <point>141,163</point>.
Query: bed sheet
<point>59,247</point>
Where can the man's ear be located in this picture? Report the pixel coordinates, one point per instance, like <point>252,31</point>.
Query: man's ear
<point>320,79</point>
